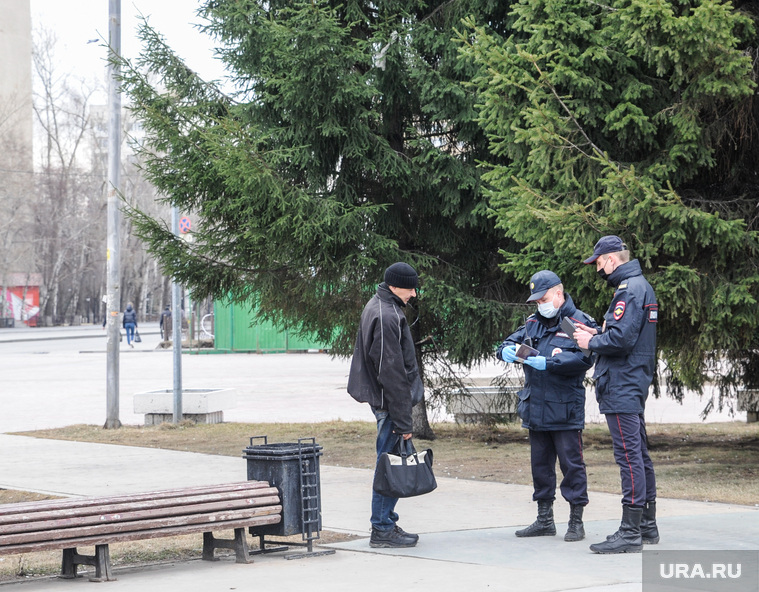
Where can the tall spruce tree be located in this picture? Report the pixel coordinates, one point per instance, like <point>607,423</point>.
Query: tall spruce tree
<point>637,118</point>
<point>348,144</point>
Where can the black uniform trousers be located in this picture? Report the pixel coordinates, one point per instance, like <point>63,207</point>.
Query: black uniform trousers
<point>628,436</point>
<point>566,445</point>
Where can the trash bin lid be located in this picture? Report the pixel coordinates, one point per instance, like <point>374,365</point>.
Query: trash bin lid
<point>282,450</point>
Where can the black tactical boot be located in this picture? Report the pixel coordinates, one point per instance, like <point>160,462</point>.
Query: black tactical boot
<point>575,529</point>
<point>648,531</point>
<point>544,525</point>
<point>627,539</point>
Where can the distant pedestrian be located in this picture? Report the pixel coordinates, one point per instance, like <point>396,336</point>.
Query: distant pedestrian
<point>165,323</point>
<point>129,323</point>
<point>384,373</point>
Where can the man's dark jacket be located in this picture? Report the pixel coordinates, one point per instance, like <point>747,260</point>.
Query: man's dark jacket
<point>626,350</point>
<point>384,372</point>
<point>553,399</point>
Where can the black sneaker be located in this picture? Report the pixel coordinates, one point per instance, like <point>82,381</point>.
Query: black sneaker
<point>394,538</point>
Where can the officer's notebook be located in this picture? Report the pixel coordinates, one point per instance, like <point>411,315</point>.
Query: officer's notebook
<point>569,328</point>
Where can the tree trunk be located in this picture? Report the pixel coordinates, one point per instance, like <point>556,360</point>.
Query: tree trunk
<point>420,423</point>
<point>142,304</point>
<point>165,294</point>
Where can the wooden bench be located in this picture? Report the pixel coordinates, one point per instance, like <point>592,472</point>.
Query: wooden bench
<point>70,523</point>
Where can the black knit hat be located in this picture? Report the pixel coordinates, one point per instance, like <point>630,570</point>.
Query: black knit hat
<point>401,275</point>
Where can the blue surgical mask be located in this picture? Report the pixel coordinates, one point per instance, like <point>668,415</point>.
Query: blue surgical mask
<point>547,309</point>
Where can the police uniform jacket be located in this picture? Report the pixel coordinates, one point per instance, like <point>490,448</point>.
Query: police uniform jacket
<point>384,372</point>
<point>626,349</point>
<point>553,399</point>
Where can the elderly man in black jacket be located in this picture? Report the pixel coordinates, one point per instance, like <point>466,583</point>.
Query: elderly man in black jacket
<point>384,373</point>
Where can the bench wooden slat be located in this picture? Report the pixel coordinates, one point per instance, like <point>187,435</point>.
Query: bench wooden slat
<point>17,522</point>
<point>209,520</point>
<point>139,535</point>
<point>108,514</point>
<point>99,521</point>
<point>83,502</point>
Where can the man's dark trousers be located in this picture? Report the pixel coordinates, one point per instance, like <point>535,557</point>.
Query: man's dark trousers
<point>384,516</point>
<point>628,435</point>
<point>545,447</point>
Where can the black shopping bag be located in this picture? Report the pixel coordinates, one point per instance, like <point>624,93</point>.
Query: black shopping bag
<point>137,338</point>
<point>405,474</point>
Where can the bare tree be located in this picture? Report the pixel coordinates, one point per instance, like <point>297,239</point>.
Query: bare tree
<point>61,230</point>
<point>69,208</point>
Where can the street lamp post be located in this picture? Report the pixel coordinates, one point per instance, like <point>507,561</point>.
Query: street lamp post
<point>176,304</point>
<point>113,300</point>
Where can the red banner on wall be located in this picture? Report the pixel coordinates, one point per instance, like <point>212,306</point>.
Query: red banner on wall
<point>22,303</point>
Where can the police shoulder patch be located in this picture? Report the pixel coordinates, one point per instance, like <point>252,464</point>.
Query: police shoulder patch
<point>619,309</point>
<point>555,351</point>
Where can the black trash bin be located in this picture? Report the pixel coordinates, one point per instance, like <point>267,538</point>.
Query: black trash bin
<point>293,468</point>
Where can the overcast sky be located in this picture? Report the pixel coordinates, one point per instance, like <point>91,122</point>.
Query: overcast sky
<point>76,23</point>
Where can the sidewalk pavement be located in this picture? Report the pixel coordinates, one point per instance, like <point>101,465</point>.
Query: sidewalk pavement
<point>466,528</point>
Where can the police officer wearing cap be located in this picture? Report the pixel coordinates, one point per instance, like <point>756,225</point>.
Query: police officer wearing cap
<point>625,364</point>
<point>552,404</point>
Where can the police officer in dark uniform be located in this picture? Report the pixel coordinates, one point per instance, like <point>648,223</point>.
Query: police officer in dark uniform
<point>625,364</point>
<point>552,404</point>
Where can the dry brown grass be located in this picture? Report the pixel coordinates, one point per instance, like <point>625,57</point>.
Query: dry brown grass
<point>703,462</point>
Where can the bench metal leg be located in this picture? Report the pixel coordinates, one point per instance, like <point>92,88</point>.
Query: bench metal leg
<point>239,545</point>
<point>101,561</point>
<point>68,565</point>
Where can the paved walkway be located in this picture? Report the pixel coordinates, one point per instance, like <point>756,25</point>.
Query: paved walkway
<point>467,527</point>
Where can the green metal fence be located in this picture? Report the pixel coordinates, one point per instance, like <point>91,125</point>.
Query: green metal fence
<point>234,332</point>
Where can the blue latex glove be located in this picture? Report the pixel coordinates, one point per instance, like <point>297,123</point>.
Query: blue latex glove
<point>537,362</point>
<point>509,353</point>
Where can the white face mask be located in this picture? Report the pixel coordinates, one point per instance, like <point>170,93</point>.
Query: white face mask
<point>547,309</point>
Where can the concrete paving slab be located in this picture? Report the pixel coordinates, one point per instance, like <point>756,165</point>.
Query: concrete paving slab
<point>342,572</point>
